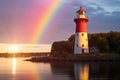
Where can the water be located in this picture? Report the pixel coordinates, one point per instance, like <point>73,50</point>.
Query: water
<point>17,69</point>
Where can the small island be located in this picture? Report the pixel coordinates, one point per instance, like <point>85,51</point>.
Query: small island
<point>78,58</point>
<point>106,48</point>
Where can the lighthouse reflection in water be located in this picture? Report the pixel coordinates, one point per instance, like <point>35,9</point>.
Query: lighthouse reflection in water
<point>81,71</point>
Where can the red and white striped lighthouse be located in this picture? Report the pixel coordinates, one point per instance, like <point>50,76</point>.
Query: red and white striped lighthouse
<point>81,37</point>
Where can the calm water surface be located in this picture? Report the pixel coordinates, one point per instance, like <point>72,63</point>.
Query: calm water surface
<point>17,69</point>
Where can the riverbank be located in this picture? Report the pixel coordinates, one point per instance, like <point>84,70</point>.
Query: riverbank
<point>78,58</point>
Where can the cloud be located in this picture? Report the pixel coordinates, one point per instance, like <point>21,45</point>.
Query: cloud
<point>116,13</point>
<point>107,6</point>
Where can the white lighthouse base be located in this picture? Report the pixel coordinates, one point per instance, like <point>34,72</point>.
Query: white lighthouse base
<point>81,43</point>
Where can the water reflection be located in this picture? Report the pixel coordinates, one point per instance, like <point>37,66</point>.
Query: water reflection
<point>14,66</point>
<point>74,71</point>
<point>81,71</point>
<point>17,69</point>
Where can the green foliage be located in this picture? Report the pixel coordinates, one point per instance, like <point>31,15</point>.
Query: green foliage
<point>104,42</point>
<point>61,46</point>
<point>60,54</point>
<point>114,40</point>
<point>99,41</point>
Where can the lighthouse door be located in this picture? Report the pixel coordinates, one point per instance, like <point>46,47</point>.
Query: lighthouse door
<point>82,50</point>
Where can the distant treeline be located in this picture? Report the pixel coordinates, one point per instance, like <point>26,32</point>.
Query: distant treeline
<point>104,42</point>
<point>23,54</point>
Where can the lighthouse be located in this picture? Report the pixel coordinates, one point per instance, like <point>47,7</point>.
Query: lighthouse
<point>81,37</point>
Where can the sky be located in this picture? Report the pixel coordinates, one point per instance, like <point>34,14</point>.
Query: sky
<point>21,20</point>
<point>27,48</point>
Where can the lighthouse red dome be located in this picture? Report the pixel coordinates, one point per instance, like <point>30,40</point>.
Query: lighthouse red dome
<point>81,10</point>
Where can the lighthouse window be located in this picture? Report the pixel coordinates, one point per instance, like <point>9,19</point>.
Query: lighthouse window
<point>77,45</point>
<point>81,13</point>
<point>82,34</point>
<point>82,45</point>
<point>77,34</point>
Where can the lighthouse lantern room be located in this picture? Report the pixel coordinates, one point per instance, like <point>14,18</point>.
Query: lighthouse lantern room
<point>81,37</point>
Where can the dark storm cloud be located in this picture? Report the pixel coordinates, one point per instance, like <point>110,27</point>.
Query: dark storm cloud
<point>116,13</point>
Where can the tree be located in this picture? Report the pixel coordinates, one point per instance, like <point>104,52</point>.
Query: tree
<point>104,42</point>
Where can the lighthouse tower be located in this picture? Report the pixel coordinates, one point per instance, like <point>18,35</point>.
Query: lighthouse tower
<point>81,37</point>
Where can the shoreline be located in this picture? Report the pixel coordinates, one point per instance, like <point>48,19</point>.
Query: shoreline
<point>76,58</point>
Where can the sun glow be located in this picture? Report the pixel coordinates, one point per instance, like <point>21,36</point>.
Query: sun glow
<point>14,66</point>
<point>14,48</point>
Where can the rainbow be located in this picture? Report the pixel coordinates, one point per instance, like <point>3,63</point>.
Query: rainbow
<point>46,18</point>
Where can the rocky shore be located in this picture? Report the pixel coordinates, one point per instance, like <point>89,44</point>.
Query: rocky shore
<point>77,58</point>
